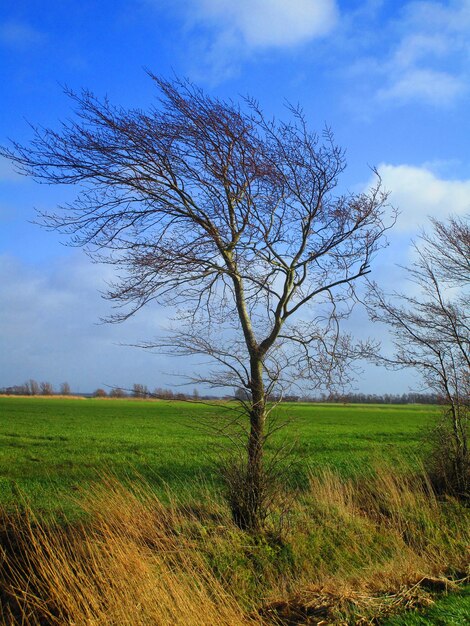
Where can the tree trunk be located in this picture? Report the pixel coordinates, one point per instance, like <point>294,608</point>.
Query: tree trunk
<point>255,468</point>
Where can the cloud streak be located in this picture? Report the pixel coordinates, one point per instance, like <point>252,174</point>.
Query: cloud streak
<point>50,329</point>
<point>16,34</point>
<point>421,57</point>
<point>222,34</point>
<point>423,85</point>
<point>269,23</point>
<point>418,193</point>
<point>429,61</point>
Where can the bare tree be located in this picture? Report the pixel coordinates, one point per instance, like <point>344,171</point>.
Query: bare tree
<point>232,218</point>
<point>46,388</point>
<point>431,333</point>
<point>117,392</point>
<point>25,389</point>
<point>140,391</point>
<point>33,386</point>
<point>65,389</point>
<point>163,394</point>
<point>100,393</point>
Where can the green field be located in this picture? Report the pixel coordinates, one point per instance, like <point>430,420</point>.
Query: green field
<point>449,610</point>
<point>51,447</point>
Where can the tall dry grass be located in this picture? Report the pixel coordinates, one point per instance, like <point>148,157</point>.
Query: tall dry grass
<point>349,550</point>
<point>128,565</point>
<point>388,529</point>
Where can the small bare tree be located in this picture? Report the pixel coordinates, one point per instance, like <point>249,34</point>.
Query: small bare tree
<point>431,332</point>
<point>46,388</point>
<point>229,216</point>
<point>33,387</point>
<point>65,389</point>
<point>140,391</point>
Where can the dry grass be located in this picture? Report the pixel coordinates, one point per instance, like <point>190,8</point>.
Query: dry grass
<point>352,550</point>
<point>128,566</point>
<point>386,544</point>
<point>395,526</point>
<point>56,396</point>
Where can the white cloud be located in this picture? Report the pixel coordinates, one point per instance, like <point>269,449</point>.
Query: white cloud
<point>419,46</point>
<point>50,316</point>
<point>424,55</point>
<point>419,193</point>
<point>219,35</point>
<point>20,35</point>
<point>270,23</point>
<point>441,15</point>
<point>433,87</point>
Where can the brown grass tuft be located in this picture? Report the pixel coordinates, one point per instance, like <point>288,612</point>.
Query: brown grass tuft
<point>128,566</point>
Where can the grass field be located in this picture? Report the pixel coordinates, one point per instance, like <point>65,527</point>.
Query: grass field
<point>163,549</point>
<point>450,610</point>
<point>50,446</point>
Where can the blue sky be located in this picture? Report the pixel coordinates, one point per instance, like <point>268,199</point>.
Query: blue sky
<point>391,78</point>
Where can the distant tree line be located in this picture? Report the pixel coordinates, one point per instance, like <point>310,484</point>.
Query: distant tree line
<point>138,390</point>
<point>386,398</point>
<point>355,398</point>
<point>143,392</point>
<point>34,388</point>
